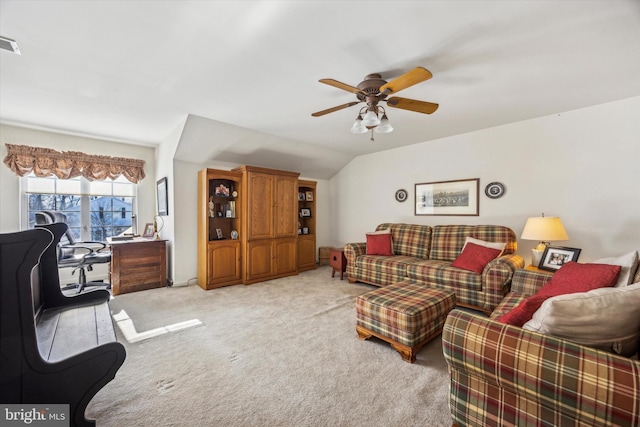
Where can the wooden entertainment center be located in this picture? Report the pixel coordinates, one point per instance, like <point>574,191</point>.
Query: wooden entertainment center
<point>254,224</point>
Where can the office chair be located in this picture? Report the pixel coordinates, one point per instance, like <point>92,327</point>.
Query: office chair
<point>80,256</point>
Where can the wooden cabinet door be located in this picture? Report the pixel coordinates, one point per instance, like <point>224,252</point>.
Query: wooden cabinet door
<point>224,263</point>
<point>259,260</point>
<point>286,256</point>
<point>286,206</point>
<point>306,252</point>
<point>260,206</point>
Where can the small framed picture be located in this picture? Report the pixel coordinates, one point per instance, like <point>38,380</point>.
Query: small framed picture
<point>555,257</point>
<point>148,230</point>
<point>305,212</point>
<point>309,196</point>
<point>162,192</point>
<point>219,233</point>
<point>222,190</point>
<point>301,196</point>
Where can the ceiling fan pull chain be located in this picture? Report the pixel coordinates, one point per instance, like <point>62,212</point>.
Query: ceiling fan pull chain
<point>372,136</point>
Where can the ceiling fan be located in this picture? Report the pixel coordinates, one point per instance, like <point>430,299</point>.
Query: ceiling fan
<point>373,90</point>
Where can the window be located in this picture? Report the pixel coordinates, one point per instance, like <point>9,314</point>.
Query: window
<point>95,210</point>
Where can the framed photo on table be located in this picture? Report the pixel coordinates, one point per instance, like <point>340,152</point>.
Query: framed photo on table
<point>458,197</point>
<point>148,230</point>
<point>555,257</point>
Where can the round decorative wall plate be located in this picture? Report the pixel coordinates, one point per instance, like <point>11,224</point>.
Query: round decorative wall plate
<point>494,190</point>
<point>401,195</point>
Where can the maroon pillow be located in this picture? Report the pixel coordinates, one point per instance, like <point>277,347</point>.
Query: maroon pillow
<point>570,278</point>
<point>379,244</point>
<point>475,257</point>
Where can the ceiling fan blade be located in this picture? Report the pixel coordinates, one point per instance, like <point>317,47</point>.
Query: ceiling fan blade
<point>331,110</point>
<point>412,105</point>
<point>340,85</point>
<point>410,78</point>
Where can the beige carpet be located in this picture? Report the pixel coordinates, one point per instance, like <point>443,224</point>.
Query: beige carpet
<point>278,353</point>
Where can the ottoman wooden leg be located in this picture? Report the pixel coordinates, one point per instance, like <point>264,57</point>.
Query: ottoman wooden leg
<point>363,334</point>
<point>408,354</point>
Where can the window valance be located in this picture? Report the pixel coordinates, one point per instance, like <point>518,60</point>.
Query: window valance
<point>43,162</point>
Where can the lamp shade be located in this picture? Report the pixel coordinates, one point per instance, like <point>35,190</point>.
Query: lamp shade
<point>544,229</point>
<point>371,118</point>
<point>358,127</point>
<point>384,126</point>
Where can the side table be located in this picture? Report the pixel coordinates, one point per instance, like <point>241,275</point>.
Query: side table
<point>337,261</point>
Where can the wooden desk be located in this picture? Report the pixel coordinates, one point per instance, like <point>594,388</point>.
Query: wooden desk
<point>138,264</point>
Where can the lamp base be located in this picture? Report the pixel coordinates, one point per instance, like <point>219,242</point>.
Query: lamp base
<point>536,257</point>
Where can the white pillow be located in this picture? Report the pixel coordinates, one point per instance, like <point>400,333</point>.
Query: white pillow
<point>629,264</point>
<point>493,245</point>
<point>605,318</point>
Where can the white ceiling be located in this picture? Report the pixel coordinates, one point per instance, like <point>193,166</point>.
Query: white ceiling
<point>134,71</point>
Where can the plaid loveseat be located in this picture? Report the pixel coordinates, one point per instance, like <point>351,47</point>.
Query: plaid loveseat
<point>423,254</point>
<point>503,375</point>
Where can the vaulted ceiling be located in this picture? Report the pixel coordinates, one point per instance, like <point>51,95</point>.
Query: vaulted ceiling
<point>243,75</point>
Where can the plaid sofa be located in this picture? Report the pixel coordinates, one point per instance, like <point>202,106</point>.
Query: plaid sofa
<point>503,375</point>
<point>423,254</point>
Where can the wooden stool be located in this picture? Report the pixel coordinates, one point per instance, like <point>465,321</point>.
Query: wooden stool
<point>406,315</point>
<point>337,261</point>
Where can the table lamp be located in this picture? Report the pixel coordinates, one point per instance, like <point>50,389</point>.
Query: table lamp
<point>543,229</point>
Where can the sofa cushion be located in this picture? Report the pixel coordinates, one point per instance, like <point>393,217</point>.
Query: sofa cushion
<point>409,239</point>
<point>383,270</point>
<point>629,264</point>
<point>496,233</point>
<point>448,241</point>
<point>570,278</point>
<point>495,245</point>
<point>379,243</point>
<point>475,257</point>
<point>466,284</point>
<point>605,318</point>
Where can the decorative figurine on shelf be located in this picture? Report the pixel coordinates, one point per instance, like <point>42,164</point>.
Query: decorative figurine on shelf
<point>211,208</point>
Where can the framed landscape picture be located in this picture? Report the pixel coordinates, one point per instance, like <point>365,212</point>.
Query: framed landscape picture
<point>458,197</point>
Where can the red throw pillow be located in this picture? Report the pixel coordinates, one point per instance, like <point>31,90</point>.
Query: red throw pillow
<point>570,278</point>
<point>475,257</point>
<point>379,244</point>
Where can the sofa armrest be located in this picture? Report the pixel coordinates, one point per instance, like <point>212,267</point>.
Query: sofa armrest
<point>496,278</point>
<point>353,251</point>
<point>528,282</point>
<point>527,378</point>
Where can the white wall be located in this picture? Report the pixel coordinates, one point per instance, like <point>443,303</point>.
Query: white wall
<point>583,166</point>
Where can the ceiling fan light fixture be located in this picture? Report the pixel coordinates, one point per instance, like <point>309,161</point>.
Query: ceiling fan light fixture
<point>358,127</point>
<point>371,118</point>
<point>384,126</point>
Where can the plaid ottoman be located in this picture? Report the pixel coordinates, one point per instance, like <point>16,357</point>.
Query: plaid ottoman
<point>405,314</point>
